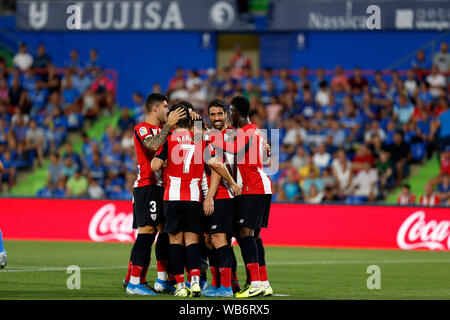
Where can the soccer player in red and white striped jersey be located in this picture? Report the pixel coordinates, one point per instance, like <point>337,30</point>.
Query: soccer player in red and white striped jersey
<point>219,206</point>
<point>254,203</point>
<point>182,197</point>
<point>147,195</point>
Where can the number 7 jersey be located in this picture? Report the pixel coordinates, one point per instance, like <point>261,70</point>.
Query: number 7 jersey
<point>185,166</point>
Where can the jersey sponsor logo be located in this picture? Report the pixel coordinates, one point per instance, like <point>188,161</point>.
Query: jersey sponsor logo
<point>213,227</point>
<point>143,131</point>
<point>107,225</point>
<point>416,233</point>
<point>241,221</point>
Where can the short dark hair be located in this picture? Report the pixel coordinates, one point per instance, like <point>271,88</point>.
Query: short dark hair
<point>242,105</point>
<point>187,121</point>
<point>217,103</point>
<point>153,99</point>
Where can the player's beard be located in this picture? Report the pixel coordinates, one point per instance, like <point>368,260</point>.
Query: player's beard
<point>218,125</point>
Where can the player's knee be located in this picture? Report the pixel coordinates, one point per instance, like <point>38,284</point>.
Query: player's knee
<point>191,238</point>
<point>176,238</point>
<point>208,241</point>
<point>147,229</point>
<point>246,232</point>
<point>219,240</point>
<point>160,227</point>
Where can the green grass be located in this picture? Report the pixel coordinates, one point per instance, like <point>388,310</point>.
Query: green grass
<point>418,181</point>
<point>297,273</point>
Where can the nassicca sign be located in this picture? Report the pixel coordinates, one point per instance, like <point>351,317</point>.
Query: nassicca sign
<point>287,15</point>
<point>330,226</point>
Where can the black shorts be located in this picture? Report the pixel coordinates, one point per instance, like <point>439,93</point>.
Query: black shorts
<point>148,207</point>
<point>186,216</point>
<point>221,220</point>
<point>253,210</point>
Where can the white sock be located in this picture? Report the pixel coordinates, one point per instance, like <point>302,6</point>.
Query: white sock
<point>195,279</point>
<point>135,280</point>
<point>256,284</point>
<point>162,275</point>
<point>181,285</point>
<point>265,284</point>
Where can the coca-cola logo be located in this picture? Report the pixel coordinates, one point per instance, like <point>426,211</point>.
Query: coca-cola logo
<point>106,225</point>
<point>416,233</point>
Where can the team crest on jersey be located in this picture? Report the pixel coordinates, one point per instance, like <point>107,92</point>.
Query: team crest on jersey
<point>153,215</point>
<point>143,131</point>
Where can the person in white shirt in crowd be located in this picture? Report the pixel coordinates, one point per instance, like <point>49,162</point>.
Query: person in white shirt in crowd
<point>314,196</point>
<point>323,94</point>
<point>321,158</point>
<point>95,191</point>
<point>365,183</point>
<point>436,81</point>
<point>373,131</point>
<point>300,158</point>
<point>23,60</point>
<point>411,84</point>
<point>341,168</point>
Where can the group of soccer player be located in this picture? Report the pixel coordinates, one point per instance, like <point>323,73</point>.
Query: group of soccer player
<point>196,189</point>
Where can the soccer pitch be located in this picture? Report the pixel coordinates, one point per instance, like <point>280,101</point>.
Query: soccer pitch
<point>37,270</point>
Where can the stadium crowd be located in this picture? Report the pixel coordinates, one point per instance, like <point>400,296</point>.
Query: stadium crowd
<point>344,136</point>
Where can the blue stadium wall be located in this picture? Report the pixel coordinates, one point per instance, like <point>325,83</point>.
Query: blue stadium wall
<point>142,58</point>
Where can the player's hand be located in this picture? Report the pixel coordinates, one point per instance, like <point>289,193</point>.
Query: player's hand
<point>267,148</point>
<point>208,206</point>
<point>174,116</point>
<point>194,115</point>
<point>236,189</point>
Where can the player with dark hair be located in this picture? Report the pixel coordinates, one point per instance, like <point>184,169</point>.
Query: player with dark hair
<point>254,204</point>
<point>219,206</point>
<point>148,198</point>
<point>182,207</point>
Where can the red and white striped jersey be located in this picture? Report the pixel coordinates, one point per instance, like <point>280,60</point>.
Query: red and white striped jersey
<point>432,200</point>
<point>248,148</point>
<point>406,199</point>
<point>144,156</point>
<point>185,166</point>
<point>224,190</point>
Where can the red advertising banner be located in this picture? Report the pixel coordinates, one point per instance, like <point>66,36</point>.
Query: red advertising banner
<point>333,226</point>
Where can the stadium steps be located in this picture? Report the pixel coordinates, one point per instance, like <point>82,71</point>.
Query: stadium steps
<point>28,183</point>
<point>419,177</point>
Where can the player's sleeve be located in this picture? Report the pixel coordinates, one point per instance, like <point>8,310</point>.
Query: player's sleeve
<point>163,151</point>
<point>141,133</point>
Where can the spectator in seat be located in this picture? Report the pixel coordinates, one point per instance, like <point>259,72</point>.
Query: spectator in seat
<point>358,81</point>
<point>74,62</point>
<point>363,155</point>
<point>178,80</point>
<point>34,141</point>
<point>406,197</point>
<point>77,185</point>
<point>97,169</point>
<point>411,84</point>
<point>69,168</point>
<point>421,64</point>
<point>403,110</point>
<point>125,120</point>
<point>330,196</point>
<point>436,82</point>
<point>429,198</point>
<point>312,179</point>
<point>321,158</point>
<point>364,184</point>
<point>69,152</point>
<point>94,190</point>
<point>93,64</point>
<point>23,60</point>
<point>342,171</point>
<point>300,158</point>
<point>8,174</point>
<point>400,155</point>
<point>443,189</point>
<point>239,61</point>
<point>442,58</point>
<point>54,170</point>
<point>138,107</point>
<point>42,62</point>
<point>60,190</point>
<point>105,92</point>
<point>69,93</point>
<point>443,123</point>
<point>314,195</point>
<point>291,188</point>
<point>385,172</point>
<point>304,171</point>
<point>340,79</point>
